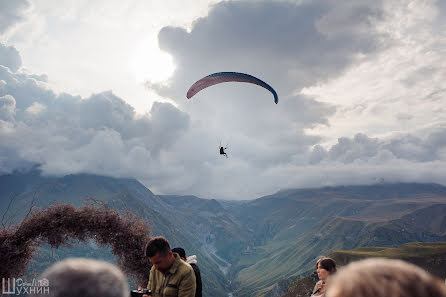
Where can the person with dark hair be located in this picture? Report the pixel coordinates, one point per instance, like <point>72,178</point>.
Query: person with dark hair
<point>325,267</point>
<point>75,277</point>
<point>192,261</point>
<point>377,277</point>
<point>169,275</point>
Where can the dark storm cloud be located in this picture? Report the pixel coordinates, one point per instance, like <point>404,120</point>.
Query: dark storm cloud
<point>290,45</point>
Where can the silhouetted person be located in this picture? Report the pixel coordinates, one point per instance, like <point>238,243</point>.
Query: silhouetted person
<point>192,261</point>
<point>222,151</point>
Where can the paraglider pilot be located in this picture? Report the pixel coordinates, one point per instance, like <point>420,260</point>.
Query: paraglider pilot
<point>222,151</point>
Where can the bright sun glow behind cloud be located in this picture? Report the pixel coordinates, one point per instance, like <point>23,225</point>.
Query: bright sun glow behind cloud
<point>361,86</point>
<point>149,63</point>
<point>87,47</point>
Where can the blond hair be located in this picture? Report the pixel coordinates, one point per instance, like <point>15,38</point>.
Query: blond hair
<point>384,277</point>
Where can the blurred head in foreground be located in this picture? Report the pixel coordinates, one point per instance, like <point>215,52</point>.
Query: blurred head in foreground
<point>382,278</point>
<point>84,277</point>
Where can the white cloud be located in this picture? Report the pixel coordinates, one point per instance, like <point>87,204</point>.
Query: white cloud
<point>398,90</point>
<point>425,146</point>
<point>68,134</point>
<point>87,47</point>
<point>35,108</point>
<point>11,12</point>
<point>9,57</point>
<point>360,84</point>
<point>7,108</point>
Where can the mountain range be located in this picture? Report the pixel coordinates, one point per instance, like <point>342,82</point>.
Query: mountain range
<point>247,248</point>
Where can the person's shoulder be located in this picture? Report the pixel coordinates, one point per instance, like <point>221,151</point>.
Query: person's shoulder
<point>317,286</point>
<point>185,266</point>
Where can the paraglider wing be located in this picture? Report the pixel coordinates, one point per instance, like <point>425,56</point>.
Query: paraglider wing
<point>221,77</point>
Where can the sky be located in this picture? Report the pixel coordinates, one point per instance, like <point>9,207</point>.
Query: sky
<point>100,87</point>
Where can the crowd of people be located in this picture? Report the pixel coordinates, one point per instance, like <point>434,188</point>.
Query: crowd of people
<point>174,274</point>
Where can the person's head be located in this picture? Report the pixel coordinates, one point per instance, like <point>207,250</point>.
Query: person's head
<point>159,253</point>
<point>325,266</point>
<point>180,251</point>
<point>382,278</point>
<point>84,277</point>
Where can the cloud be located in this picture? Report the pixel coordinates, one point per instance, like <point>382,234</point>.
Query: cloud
<point>288,44</point>
<point>357,173</point>
<point>7,108</point>
<point>360,87</point>
<point>10,57</point>
<point>350,18</point>
<point>68,134</point>
<point>428,146</point>
<point>36,108</point>
<point>349,150</point>
<point>11,12</point>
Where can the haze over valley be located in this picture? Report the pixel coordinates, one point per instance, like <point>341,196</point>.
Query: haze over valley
<point>246,247</point>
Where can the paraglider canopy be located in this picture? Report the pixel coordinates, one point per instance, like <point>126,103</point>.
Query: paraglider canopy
<point>221,77</point>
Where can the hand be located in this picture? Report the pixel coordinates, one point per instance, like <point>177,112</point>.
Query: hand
<point>323,286</point>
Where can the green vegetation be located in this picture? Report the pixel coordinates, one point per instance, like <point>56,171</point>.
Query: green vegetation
<point>261,245</point>
<point>408,250</point>
<point>430,256</point>
<point>119,194</point>
<point>297,259</point>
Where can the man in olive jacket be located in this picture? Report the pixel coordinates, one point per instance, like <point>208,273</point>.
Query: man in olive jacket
<point>169,276</point>
<point>192,261</point>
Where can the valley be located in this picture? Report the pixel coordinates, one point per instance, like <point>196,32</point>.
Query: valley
<point>246,248</point>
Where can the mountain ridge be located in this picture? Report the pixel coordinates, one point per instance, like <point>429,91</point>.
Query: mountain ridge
<point>120,194</point>
<point>245,246</point>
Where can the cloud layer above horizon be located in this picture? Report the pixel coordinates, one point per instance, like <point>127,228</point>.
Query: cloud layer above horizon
<point>361,100</point>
